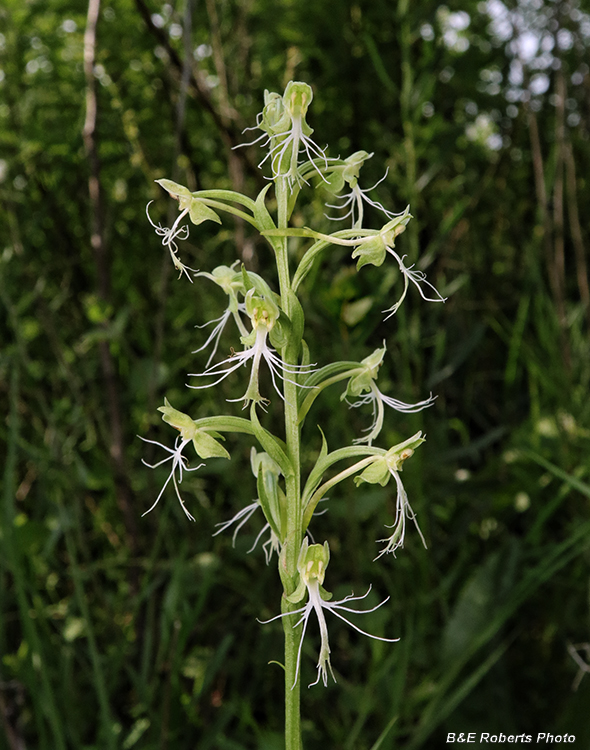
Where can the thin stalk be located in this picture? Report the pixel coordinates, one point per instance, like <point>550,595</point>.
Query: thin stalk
<point>408,117</point>
<point>576,229</point>
<point>292,542</point>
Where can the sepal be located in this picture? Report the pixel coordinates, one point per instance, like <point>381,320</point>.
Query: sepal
<point>207,446</point>
<point>261,214</point>
<point>197,210</point>
<point>205,441</point>
<point>177,419</point>
<point>366,375</point>
<point>380,470</point>
<point>298,594</point>
<point>370,252</point>
<point>296,99</point>
<point>375,473</point>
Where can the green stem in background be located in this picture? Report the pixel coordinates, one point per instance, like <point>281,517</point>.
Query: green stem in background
<point>405,37</point>
<point>292,541</point>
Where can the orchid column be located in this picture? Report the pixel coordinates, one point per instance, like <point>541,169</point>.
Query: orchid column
<point>270,325</point>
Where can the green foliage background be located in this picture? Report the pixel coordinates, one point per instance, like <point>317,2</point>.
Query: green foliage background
<point>118,631</point>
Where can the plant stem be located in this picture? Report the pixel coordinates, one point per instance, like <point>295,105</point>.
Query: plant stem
<point>292,542</point>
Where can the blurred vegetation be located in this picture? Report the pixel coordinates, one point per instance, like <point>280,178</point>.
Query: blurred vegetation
<point>118,631</point>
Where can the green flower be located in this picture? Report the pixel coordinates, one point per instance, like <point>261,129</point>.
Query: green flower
<point>312,564</point>
<point>287,132</point>
<point>363,387</point>
<point>373,249</point>
<point>188,204</point>
<point>348,173</point>
<point>380,472</point>
<point>264,314</point>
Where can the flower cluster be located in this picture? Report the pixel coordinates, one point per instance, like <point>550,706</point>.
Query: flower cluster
<point>268,328</point>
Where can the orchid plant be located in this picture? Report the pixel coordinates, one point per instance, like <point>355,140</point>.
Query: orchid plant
<point>270,330</point>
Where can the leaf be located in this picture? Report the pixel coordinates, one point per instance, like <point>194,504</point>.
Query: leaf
<point>271,444</point>
<point>297,318</point>
<point>261,214</point>
<point>269,492</point>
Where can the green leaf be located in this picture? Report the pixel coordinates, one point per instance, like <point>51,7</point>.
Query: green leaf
<point>297,318</point>
<point>246,280</point>
<point>269,492</point>
<point>261,214</point>
<point>282,332</point>
<point>271,444</point>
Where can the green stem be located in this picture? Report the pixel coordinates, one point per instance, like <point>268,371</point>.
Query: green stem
<point>218,205</point>
<point>292,541</point>
<point>319,493</point>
